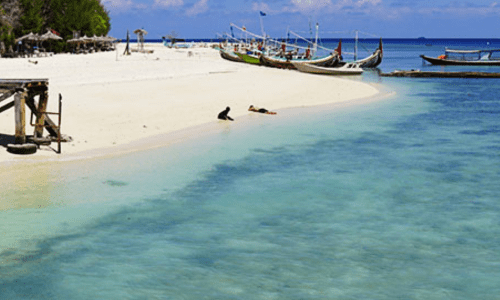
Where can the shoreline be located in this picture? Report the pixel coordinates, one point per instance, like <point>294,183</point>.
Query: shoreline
<point>187,116</point>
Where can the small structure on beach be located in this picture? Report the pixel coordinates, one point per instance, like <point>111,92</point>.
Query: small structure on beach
<point>24,92</point>
<point>140,41</point>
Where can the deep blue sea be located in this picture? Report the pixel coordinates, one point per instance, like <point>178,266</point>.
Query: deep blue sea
<point>394,199</point>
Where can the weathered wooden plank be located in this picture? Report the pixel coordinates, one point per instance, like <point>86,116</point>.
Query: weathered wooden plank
<point>7,106</point>
<point>48,123</point>
<point>437,74</point>
<point>20,116</point>
<point>6,95</point>
<point>40,114</point>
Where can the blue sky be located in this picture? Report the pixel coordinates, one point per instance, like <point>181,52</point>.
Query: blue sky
<point>337,18</point>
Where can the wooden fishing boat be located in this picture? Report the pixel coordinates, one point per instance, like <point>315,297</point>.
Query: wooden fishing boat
<point>230,55</point>
<point>286,63</point>
<point>465,58</point>
<point>347,69</point>
<point>372,61</point>
<point>249,57</point>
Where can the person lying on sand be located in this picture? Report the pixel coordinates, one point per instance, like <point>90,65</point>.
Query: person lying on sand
<point>223,115</point>
<point>260,110</point>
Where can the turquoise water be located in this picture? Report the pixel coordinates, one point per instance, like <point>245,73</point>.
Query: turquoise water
<point>396,199</point>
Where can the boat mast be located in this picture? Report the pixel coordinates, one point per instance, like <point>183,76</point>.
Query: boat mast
<point>262,25</point>
<point>356,47</point>
<point>316,39</point>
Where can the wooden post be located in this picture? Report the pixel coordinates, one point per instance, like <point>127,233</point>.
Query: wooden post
<point>40,115</point>
<point>20,116</point>
<point>59,126</point>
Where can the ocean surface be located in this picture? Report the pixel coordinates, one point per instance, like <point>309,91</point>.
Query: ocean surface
<point>394,199</point>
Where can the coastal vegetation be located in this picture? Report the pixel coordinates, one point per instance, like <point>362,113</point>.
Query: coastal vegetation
<point>63,17</point>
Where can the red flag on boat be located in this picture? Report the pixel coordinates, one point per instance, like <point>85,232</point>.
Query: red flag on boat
<point>54,32</point>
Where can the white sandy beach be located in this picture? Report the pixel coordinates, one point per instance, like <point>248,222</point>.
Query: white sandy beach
<point>114,103</point>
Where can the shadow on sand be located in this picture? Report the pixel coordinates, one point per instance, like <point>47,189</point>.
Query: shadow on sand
<point>6,139</point>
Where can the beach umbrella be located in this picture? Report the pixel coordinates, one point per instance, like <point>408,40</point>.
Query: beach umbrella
<point>29,37</point>
<point>141,31</point>
<point>50,36</point>
<point>109,39</point>
<point>140,37</point>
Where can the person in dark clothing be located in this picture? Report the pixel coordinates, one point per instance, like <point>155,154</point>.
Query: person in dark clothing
<point>223,115</point>
<point>261,110</point>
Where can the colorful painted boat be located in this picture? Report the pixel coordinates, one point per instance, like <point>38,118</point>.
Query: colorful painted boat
<point>230,55</point>
<point>249,57</point>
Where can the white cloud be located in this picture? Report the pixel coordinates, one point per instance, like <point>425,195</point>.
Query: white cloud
<point>261,7</point>
<point>329,6</point>
<point>198,8</point>
<point>118,5</point>
<point>168,3</point>
<point>453,9</point>
<point>310,5</point>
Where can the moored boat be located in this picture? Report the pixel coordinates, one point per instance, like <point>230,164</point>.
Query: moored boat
<point>372,61</point>
<point>286,62</point>
<point>249,57</point>
<point>230,55</point>
<point>465,58</point>
<point>347,69</point>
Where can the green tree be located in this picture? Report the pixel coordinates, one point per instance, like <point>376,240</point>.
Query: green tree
<point>10,12</point>
<point>32,18</point>
<point>20,17</point>
<point>88,17</point>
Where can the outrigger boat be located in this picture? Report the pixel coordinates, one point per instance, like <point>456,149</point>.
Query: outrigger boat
<point>347,69</point>
<point>250,57</point>
<point>286,63</point>
<point>465,58</point>
<point>230,55</point>
<point>371,61</point>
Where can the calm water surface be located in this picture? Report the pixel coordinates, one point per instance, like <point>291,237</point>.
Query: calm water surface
<point>397,199</point>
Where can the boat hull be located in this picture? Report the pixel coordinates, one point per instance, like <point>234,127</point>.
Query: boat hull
<point>249,59</point>
<point>229,55</point>
<point>283,63</point>
<point>450,62</point>
<point>371,61</point>
<point>348,69</point>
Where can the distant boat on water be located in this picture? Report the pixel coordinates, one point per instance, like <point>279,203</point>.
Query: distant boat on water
<point>176,43</point>
<point>466,58</point>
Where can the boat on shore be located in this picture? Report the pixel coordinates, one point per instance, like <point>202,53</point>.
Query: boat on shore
<point>374,60</point>
<point>230,55</point>
<point>250,57</point>
<point>369,62</point>
<point>347,69</point>
<point>465,58</point>
<point>287,63</point>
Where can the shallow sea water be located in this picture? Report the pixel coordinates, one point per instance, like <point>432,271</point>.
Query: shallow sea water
<point>395,199</point>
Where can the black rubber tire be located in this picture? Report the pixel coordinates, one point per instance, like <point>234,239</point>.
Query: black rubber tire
<point>23,149</point>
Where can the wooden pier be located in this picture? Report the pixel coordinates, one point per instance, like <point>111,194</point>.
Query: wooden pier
<point>23,92</point>
<point>436,74</point>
